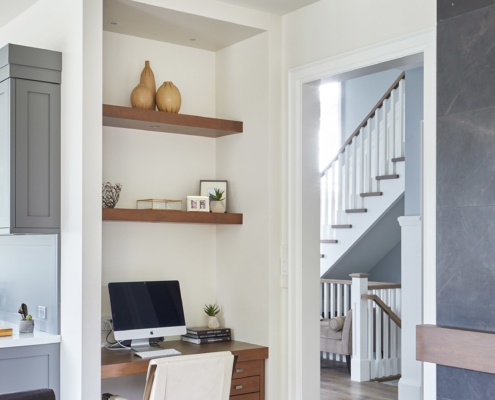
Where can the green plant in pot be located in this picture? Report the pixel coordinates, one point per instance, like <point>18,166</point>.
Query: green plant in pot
<point>217,204</point>
<point>26,324</point>
<point>212,311</point>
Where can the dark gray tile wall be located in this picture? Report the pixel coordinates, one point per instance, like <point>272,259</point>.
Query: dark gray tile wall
<point>465,182</point>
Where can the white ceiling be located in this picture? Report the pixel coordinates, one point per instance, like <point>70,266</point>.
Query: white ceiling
<point>11,9</point>
<point>279,7</point>
<point>157,23</point>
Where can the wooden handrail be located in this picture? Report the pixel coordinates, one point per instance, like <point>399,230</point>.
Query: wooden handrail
<point>371,285</point>
<point>365,121</point>
<point>393,316</point>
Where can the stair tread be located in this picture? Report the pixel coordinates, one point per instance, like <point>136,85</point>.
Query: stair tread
<point>341,226</point>
<point>383,177</point>
<point>356,210</point>
<point>371,194</point>
<point>398,159</point>
<point>329,241</point>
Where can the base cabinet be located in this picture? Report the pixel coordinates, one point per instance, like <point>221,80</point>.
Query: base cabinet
<point>30,368</point>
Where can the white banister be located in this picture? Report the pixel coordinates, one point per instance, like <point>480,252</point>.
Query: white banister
<point>360,365</point>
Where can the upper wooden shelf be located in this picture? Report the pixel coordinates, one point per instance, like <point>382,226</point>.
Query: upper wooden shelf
<point>149,120</point>
<point>125,214</point>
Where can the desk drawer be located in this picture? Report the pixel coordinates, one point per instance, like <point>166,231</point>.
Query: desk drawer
<point>250,396</point>
<point>247,368</point>
<point>245,385</point>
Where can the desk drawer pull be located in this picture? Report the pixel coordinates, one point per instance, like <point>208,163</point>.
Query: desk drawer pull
<point>238,387</point>
<point>239,370</point>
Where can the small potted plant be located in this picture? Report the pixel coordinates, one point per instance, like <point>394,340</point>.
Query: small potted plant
<point>212,311</point>
<point>217,204</point>
<point>26,324</point>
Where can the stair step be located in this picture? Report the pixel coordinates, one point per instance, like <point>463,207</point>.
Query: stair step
<point>371,194</point>
<point>329,241</point>
<point>341,226</point>
<point>383,177</point>
<point>356,210</point>
<point>398,159</point>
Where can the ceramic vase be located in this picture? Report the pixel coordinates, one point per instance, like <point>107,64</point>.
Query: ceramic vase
<point>148,79</point>
<point>142,97</point>
<point>213,322</point>
<point>26,326</point>
<point>168,98</point>
<point>217,206</point>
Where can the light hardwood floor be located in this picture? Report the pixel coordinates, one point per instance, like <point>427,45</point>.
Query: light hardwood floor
<point>336,384</point>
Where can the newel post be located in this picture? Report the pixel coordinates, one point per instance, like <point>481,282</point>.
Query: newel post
<point>360,365</point>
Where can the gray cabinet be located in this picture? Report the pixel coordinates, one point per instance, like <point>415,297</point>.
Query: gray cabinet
<point>29,140</point>
<point>30,368</point>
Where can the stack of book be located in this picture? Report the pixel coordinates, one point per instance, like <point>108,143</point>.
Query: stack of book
<point>203,335</point>
<point>5,331</point>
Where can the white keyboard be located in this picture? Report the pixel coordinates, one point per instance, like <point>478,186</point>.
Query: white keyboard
<point>157,353</point>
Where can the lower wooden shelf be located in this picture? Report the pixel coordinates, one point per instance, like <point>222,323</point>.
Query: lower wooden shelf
<point>125,214</point>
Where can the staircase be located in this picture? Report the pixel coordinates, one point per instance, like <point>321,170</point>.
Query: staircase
<point>362,189</point>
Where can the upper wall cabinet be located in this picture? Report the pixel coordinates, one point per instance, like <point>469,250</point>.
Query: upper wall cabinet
<point>29,140</point>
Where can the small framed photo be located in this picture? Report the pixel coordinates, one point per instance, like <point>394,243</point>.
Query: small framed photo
<point>198,203</point>
<point>207,188</point>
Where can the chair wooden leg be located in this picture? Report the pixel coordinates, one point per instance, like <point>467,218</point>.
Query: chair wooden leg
<point>348,362</point>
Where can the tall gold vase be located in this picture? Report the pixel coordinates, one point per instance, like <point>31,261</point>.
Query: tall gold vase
<point>148,79</point>
<point>168,98</point>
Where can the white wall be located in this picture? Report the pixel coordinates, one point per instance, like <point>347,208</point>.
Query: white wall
<point>74,28</point>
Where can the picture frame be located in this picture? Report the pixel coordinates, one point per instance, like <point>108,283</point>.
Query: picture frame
<point>207,186</point>
<point>198,203</point>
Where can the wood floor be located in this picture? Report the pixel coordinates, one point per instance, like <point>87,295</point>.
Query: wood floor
<point>336,384</point>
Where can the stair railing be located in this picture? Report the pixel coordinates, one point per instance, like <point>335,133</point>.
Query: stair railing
<point>376,330</point>
<point>381,337</point>
<point>367,156</point>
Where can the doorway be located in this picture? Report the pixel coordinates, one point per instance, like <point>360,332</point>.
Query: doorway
<point>303,189</point>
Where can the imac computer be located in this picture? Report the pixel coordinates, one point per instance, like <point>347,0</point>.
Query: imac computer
<point>146,311</point>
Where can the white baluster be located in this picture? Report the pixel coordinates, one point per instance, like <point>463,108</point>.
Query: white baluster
<point>353,186</point>
<point>326,299</point>
<point>347,298</point>
<point>378,126</point>
<point>347,177</point>
<point>393,126</point>
<point>384,139</point>
<point>362,165</point>
<point>340,202</point>
<point>402,87</point>
<point>333,216</point>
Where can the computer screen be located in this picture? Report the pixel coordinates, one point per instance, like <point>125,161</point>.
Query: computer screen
<point>146,310</point>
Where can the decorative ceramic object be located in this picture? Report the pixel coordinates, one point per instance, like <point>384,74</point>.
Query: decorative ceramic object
<point>26,326</point>
<point>142,97</point>
<point>148,79</point>
<point>168,98</point>
<point>217,206</point>
<point>213,322</point>
<point>111,194</point>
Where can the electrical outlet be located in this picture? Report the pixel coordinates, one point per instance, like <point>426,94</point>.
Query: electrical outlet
<point>106,324</point>
<point>41,312</point>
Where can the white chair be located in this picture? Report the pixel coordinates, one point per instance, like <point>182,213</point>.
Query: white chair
<point>189,377</point>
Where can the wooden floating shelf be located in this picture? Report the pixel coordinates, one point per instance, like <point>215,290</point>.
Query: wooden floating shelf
<point>454,347</point>
<point>149,120</point>
<point>125,214</point>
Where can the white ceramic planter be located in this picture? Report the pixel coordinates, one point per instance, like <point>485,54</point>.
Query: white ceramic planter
<point>213,322</point>
<point>217,206</point>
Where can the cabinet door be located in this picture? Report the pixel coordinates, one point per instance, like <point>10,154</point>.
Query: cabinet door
<point>37,155</point>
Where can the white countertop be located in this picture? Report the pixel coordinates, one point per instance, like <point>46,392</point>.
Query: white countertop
<point>25,339</point>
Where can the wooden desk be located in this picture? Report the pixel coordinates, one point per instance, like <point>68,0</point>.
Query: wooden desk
<point>248,381</point>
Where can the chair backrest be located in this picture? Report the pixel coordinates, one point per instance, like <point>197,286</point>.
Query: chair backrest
<point>190,377</point>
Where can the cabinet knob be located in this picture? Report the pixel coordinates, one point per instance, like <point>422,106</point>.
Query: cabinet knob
<point>238,387</point>
<point>239,370</point>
